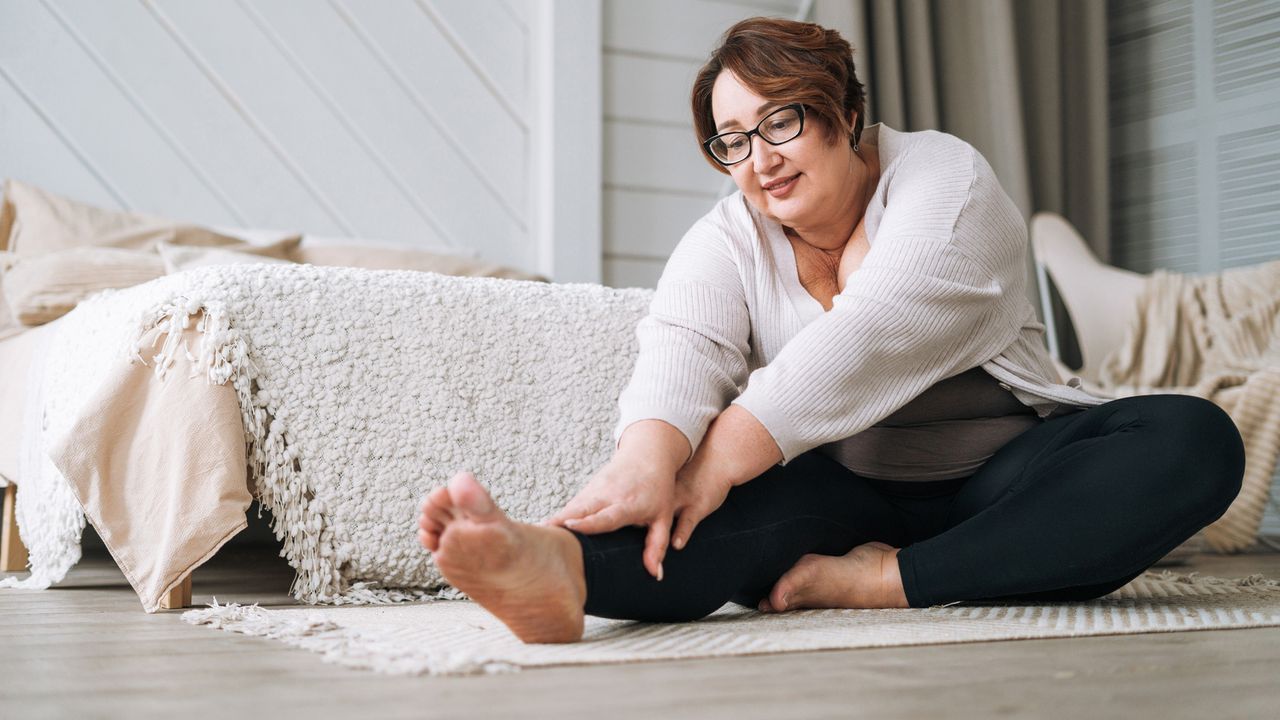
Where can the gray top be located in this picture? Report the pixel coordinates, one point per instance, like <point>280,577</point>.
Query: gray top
<point>948,431</point>
<point>941,290</point>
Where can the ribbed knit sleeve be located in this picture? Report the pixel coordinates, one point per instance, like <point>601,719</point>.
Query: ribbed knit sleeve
<point>694,341</point>
<point>939,292</point>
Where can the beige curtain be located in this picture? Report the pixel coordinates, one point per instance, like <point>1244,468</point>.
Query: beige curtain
<point>1024,81</point>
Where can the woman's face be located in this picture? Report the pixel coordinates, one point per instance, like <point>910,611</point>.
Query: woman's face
<point>803,183</point>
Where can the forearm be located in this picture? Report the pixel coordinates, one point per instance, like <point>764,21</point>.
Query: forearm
<point>736,448</point>
<point>654,442</point>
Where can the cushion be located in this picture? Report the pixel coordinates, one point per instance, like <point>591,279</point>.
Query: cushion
<point>389,258</point>
<point>8,326</point>
<point>35,222</point>
<point>178,257</point>
<point>62,251</point>
<point>42,288</point>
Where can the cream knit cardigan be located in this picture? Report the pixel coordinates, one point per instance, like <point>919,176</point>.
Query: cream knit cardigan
<point>942,290</point>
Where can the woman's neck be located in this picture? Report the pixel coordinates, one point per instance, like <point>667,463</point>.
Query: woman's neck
<point>831,236</point>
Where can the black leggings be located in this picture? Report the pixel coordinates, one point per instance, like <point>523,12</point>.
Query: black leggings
<point>1071,509</point>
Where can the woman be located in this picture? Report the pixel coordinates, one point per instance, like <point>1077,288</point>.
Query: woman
<point>842,397</point>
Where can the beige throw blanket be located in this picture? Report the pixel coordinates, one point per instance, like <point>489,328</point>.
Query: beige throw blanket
<point>1217,337</point>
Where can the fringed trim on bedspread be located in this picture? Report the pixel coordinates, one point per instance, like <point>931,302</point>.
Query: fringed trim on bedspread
<point>276,476</point>
<point>49,519</point>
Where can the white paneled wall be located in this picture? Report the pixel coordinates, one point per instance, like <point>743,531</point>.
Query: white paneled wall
<point>400,120</point>
<point>656,183</point>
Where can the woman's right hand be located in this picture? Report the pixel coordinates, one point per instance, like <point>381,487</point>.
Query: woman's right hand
<point>626,492</point>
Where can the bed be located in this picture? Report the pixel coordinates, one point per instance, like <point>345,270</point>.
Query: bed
<point>164,408</point>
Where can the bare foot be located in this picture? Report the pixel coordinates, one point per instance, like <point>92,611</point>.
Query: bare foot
<point>866,577</point>
<point>529,576</point>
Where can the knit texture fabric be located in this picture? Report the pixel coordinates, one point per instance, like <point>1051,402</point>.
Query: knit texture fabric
<point>942,290</point>
<point>360,391</point>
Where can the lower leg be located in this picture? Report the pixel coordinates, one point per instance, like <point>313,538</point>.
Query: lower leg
<point>539,580</point>
<point>813,508</point>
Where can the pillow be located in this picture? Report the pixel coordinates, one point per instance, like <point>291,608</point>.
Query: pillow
<point>8,326</point>
<point>387,258</point>
<point>65,251</point>
<point>42,288</point>
<point>185,257</point>
<point>35,222</point>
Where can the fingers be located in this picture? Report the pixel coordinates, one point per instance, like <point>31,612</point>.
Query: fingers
<point>577,508</point>
<point>655,546</point>
<point>688,520</point>
<point>606,520</point>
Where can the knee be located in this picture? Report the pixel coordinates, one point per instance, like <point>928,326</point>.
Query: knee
<point>1205,448</point>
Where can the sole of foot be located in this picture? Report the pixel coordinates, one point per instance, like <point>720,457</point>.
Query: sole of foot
<point>529,576</point>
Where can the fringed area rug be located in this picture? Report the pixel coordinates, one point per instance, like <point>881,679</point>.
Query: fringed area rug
<point>456,637</point>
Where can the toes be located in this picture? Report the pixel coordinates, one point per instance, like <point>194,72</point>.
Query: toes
<point>788,593</point>
<point>470,496</point>
<point>438,498</point>
<point>436,516</point>
<point>429,540</point>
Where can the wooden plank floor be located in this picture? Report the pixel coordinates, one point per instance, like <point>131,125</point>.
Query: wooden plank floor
<point>86,649</point>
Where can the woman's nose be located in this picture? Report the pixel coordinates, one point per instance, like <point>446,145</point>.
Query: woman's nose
<point>763,155</point>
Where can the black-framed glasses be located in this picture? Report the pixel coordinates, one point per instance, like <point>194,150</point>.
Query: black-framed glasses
<point>781,125</point>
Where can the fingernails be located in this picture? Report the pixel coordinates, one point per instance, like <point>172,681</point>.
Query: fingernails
<point>679,543</point>
<point>571,523</point>
<point>659,572</point>
<point>783,602</point>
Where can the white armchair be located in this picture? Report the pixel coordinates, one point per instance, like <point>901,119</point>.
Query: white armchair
<point>1097,296</point>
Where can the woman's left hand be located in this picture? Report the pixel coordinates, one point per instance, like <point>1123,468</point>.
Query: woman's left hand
<point>699,492</point>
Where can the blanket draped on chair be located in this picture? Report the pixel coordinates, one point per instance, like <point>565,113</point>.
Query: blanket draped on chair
<point>360,390</point>
<point>1214,336</point>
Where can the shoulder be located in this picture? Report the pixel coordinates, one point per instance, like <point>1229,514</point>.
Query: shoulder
<point>938,185</point>
<point>930,159</point>
<point>715,248</point>
<point>726,230</point>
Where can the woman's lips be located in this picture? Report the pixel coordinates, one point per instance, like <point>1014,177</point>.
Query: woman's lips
<point>783,187</point>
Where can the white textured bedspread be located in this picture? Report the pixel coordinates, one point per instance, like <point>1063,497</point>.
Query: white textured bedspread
<point>359,390</point>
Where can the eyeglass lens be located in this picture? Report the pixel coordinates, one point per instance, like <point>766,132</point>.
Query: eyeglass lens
<point>776,128</point>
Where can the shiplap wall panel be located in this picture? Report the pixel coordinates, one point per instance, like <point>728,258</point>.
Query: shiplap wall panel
<point>487,34</point>
<point>182,104</point>
<point>295,115</point>
<point>652,89</point>
<point>113,136</point>
<point>34,153</point>
<point>685,29</point>
<point>656,183</point>
<point>431,172</point>
<point>520,10</point>
<point>655,157</point>
<point>632,272</point>
<point>401,120</point>
<point>649,224</point>
<point>422,55</point>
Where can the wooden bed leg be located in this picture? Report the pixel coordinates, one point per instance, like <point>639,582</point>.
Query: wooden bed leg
<point>179,596</point>
<point>13,554</point>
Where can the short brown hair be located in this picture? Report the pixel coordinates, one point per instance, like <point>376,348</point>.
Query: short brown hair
<point>784,61</point>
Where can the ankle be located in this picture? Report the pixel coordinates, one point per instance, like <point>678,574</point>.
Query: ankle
<point>569,551</point>
<point>894,594</point>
